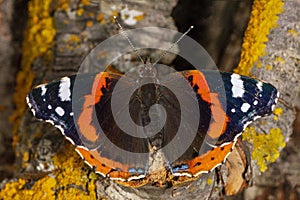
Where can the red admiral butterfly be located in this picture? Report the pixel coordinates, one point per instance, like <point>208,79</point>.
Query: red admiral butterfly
<point>245,99</point>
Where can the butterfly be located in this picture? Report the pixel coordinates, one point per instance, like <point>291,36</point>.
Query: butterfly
<point>84,109</point>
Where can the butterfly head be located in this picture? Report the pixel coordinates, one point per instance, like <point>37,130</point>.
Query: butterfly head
<point>147,70</point>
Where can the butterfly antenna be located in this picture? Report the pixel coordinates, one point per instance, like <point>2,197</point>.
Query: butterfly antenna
<point>172,45</point>
<point>130,43</point>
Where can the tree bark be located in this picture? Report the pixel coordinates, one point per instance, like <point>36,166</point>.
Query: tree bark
<point>61,33</point>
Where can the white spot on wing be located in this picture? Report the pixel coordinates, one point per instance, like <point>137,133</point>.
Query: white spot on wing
<point>59,111</point>
<point>237,86</point>
<point>49,107</point>
<point>255,102</point>
<point>44,90</point>
<point>233,110</point>
<point>259,85</point>
<point>64,92</point>
<point>245,107</point>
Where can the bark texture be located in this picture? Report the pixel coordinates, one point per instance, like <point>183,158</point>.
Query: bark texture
<point>61,33</point>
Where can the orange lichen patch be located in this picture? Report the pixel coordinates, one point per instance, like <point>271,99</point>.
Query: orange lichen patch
<point>139,17</point>
<point>100,17</point>
<point>91,14</point>
<point>68,181</point>
<point>85,2</point>
<point>74,39</point>
<point>62,5</point>
<point>263,19</point>
<point>89,23</point>
<point>113,14</point>
<point>266,147</point>
<point>38,39</point>
<point>80,11</point>
<point>71,43</point>
<point>25,156</point>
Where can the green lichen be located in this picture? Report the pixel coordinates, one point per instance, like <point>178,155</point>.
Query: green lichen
<point>266,147</point>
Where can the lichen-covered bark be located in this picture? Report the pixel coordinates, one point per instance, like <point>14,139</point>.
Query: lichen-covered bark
<point>279,65</point>
<point>58,36</point>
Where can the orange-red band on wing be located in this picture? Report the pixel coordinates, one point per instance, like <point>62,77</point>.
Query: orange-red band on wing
<point>220,119</point>
<point>103,165</point>
<point>209,160</point>
<point>85,118</point>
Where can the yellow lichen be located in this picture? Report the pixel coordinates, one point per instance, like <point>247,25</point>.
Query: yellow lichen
<point>91,14</point>
<point>209,181</point>
<point>10,191</point>
<point>38,40</point>
<point>25,156</point>
<point>266,147</point>
<point>139,17</point>
<point>258,64</point>
<point>279,59</point>
<point>68,181</point>
<point>85,2</point>
<point>89,23</point>
<point>277,112</point>
<point>263,19</point>
<point>63,5</point>
<point>80,11</point>
<point>74,39</point>
<point>100,17</point>
<point>293,32</point>
<point>71,43</point>
<point>268,67</point>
